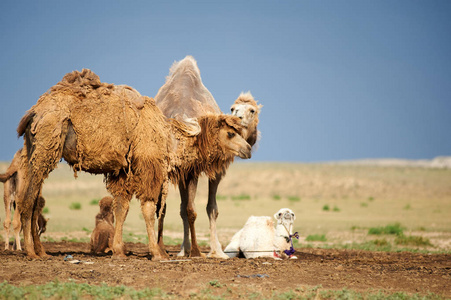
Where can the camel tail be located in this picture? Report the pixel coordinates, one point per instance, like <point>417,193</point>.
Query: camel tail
<point>24,124</point>
<point>5,177</point>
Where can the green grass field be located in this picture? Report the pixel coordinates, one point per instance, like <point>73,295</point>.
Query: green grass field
<point>358,198</point>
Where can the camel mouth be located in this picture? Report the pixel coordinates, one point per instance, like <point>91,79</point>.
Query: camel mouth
<point>288,216</point>
<point>245,154</point>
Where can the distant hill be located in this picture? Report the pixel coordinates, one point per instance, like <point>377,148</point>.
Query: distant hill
<point>441,162</point>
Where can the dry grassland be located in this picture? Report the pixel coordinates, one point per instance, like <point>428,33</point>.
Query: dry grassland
<point>358,197</point>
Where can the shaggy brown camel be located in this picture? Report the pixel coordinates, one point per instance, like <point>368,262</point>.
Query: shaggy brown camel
<point>113,130</point>
<point>103,234</point>
<point>184,97</point>
<point>10,190</point>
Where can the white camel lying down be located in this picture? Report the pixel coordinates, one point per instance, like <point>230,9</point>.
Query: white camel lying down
<point>259,238</point>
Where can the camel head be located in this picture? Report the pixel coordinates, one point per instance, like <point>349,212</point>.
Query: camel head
<point>285,217</point>
<point>230,139</point>
<point>247,109</point>
<point>106,204</point>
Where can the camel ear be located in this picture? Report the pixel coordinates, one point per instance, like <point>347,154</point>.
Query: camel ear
<point>231,121</point>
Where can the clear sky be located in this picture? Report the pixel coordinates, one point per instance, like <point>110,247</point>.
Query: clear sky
<point>338,79</point>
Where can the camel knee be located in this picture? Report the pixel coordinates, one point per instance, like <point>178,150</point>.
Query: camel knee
<point>7,224</point>
<point>212,211</point>
<point>191,214</point>
<point>16,224</point>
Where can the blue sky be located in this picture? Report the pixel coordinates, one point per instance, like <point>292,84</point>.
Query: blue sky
<point>338,79</point>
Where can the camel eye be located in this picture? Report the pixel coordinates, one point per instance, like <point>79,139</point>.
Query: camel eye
<point>231,134</point>
<point>232,109</point>
<point>252,111</point>
<point>280,214</point>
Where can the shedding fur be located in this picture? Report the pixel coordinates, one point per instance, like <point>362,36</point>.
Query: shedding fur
<point>102,129</point>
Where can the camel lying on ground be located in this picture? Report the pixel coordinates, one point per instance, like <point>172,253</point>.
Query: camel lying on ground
<point>106,129</point>
<point>10,189</point>
<point>183,97</point>
<point>259,238</point>
<point>103,234</point>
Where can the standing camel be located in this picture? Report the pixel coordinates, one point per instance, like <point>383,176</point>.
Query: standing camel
<point>183,97</point>
<point>105,129</point>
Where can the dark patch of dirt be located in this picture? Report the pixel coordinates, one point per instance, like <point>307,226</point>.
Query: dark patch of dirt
<point>332,269</point>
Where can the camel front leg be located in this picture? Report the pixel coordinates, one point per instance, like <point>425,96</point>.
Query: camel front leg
<point>120,210</point>
<point>212,211</point>
<point>148,209</point>
<point>186,245</point>
<point>188,194</point>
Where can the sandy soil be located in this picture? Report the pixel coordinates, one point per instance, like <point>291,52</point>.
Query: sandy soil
<point>330,269</point>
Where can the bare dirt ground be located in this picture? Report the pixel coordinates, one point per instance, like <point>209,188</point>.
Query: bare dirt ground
<point>327,269</point>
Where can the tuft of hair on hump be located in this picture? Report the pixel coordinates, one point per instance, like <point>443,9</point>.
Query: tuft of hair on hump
<point>184,65</point>
<point>85,77</point>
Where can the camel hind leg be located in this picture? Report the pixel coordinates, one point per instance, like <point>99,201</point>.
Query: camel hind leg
<point>8,203</point>
<point>161,213</point>
<point>43,146</point>
<point>17,226</point>
<point>148,208</point>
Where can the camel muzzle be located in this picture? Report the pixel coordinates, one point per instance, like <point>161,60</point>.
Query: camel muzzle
<point>246,153</point>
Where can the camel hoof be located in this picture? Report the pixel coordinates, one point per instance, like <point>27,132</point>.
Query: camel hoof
<point>33,256</point>
<point>182,254</point>
<point>218,255</point>
<point>119,256</point>
<point>197,255</point>
<point>44,256</point>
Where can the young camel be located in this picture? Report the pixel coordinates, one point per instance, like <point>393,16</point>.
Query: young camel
<point>10,189</point>
<point>103,234</point>
<point>259,237</point>
<point>112,130</point>
<point>184,96</point>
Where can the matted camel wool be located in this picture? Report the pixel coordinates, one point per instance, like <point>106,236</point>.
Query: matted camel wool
<point>99,128</point>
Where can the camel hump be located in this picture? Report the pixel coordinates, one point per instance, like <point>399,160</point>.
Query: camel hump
<point>188,64</point>
<point>184,93</point>
<point>131,94</point>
